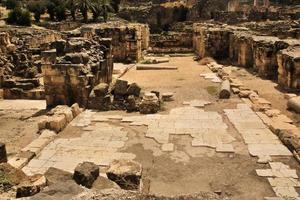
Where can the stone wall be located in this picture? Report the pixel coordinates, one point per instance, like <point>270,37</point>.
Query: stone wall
<point>282,28</point>
<point>20,64</point>
<point>212,40</point>
<point>240,49</point>
<point>71,77</point>
<point>270,56</point>
<point>159,17</point>
<point>171,42</point>
<point>62,26</point>
<point>289,67</point>
<point>128,40</point>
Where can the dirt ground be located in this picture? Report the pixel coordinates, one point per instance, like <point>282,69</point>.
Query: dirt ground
<point>205,170</point>
<point>187,169</point>
<point>267,89</point>
<point>18,123</point>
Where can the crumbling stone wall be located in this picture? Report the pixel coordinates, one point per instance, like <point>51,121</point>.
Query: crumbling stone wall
<point>128,40</point>
<point>211,40</point>
<point>282,29</point>
<point>62,26</point>
<point>159,17</point>
<point>289,67</point>
<point>246,48</point>
<point>178,40</point>
<point>240,49</point>
<point>71,77</point>
<point>264,55</point>
<point>171,42</point>
<point>20,65</point>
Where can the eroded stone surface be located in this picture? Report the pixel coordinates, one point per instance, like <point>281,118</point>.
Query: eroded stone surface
<point>260,140</point>
<point>99,145</point>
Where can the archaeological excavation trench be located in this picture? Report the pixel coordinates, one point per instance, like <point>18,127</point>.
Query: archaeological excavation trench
<point>158,100</point>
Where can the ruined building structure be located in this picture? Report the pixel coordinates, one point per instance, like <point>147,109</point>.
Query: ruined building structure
<point>64,64</point>
<point>272,57</point>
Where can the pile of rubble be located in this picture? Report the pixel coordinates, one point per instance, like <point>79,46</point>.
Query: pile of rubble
<point>122,174</point>
<point>124,96</point>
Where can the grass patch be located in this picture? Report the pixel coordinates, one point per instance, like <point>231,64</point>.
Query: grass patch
<point>212,90</point>
<point>5,184</point>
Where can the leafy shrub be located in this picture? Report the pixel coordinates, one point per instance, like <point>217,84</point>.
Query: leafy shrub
<point>11,4</point>
<point>19,16</point>
<point>60,12</point>
<point>38,8</point>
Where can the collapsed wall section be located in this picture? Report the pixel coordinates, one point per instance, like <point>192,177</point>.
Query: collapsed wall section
<point>128,40</point>
<point>70,77</point>
<point>20,67</point>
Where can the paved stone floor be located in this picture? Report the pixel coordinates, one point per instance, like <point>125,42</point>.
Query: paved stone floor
<point>99,143</point>
<point>198,143</point>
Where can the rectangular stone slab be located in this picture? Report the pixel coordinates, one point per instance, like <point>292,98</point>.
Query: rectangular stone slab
<point>155,67</point>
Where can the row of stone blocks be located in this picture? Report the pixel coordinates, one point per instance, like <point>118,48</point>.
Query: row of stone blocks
<point>58,118</point>
<point>279,124</point>
<point>49,126</point>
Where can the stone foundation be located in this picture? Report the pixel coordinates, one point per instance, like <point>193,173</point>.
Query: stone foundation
<point>246,48</point>
<point>128,40</point>
<point>70,78</point>
<point>172,42</point>
<point>289,67</point>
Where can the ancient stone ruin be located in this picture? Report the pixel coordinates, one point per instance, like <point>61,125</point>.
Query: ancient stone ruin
<point>150,99</point>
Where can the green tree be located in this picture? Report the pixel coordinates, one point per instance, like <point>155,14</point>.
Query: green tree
<point>25,18</point>
<point>19,16</point>
<point>51,9</point>
<point>106,7</point>
<point>11,4</point>
<point>84,6</point>
<point>60,12</point>
<point>96,9</point>
<point>71,5</point>
<point>37,8</point>
<point>101,7</point>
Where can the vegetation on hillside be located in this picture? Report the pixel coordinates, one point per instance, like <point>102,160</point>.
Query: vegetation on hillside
<point>59,10</point>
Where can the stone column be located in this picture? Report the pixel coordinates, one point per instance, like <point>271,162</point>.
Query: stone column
<point>3,156</point>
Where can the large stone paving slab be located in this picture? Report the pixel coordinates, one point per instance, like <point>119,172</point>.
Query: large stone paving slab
<point>282,179</point>
<point>260,140</point>
<point>99,143</point>
<point>206,128</point>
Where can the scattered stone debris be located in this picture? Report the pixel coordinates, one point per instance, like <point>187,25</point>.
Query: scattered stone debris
<point>155,60</point>
<point>167,96</point>
<point>294,104</point>
<point>58,118</point>
<point>86,173</point>
<point>211,76</point>
<point>127,174</point>
<point>197,103</point>
<point>150,104</point>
